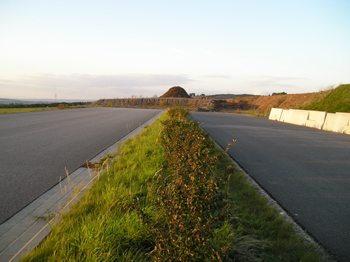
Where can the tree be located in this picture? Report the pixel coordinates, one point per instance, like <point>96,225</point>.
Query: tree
<point>281,93</point>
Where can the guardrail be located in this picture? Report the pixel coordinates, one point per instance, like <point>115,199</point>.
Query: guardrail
<point>338,122</point>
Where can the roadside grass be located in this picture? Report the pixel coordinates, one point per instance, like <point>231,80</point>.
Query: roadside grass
<point>104,225</point>
<point>22,110</point>
<point>35,109</point>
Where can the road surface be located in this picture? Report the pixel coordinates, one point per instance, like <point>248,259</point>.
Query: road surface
<point>37,147</point>
<point>306,170</point>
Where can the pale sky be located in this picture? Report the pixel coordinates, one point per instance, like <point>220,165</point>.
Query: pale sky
<point>107,49</point>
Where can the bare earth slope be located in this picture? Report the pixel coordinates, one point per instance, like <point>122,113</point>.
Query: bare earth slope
<point>333,100</point>
<point>265,103</point>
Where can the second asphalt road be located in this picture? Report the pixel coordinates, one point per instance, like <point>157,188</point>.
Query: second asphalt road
<point>306,170</point>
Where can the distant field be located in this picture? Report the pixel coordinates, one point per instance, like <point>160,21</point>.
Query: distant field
<point>21,110</point>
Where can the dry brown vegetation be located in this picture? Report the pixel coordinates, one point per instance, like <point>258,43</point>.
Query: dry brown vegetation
<point>155,103</point>
<point>265,103</point>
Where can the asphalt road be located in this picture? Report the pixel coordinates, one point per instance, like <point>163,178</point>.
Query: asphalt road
<point>36,147</point>
<point>307,171</point>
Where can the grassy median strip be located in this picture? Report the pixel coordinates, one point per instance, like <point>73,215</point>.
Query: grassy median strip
<point>133,210</point>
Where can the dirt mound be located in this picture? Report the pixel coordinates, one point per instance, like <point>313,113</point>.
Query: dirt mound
<point>176,91</point>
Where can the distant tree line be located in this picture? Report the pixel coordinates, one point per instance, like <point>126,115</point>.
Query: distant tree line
<point>13,105</point>
<point>193,94</point>
<point>280,93</point>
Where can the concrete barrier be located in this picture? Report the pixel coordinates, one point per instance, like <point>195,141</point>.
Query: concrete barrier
<point>286,116</point>
<point>342,113</point>
<point>312,123</point>
<point>275,114</point>
<point>345,115</point>
<point>336,122</point>
<point>299,117</point>
<point>316,119</point>
<point>346,130</point>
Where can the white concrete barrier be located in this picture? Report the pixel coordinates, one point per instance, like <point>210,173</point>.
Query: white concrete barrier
<point>299,117</point>
<point>312,123</point>
<point>275,114</point>
<point>342,113</point>
<point>316,119</point>
<point>286,116</point>
<point>346,130</point>
<point>345,115</point>
<point>339,122</point>
<point>336,122</point>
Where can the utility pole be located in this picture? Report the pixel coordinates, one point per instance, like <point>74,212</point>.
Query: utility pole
<point>55,98</point>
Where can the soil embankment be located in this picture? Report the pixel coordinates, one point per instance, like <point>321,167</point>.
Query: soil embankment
<point>333,100</point>
<point>265,103</point>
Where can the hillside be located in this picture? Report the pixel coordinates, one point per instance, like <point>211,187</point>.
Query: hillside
<point>334,100</point>
<point>6,101</point>
<point>265,103</point>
